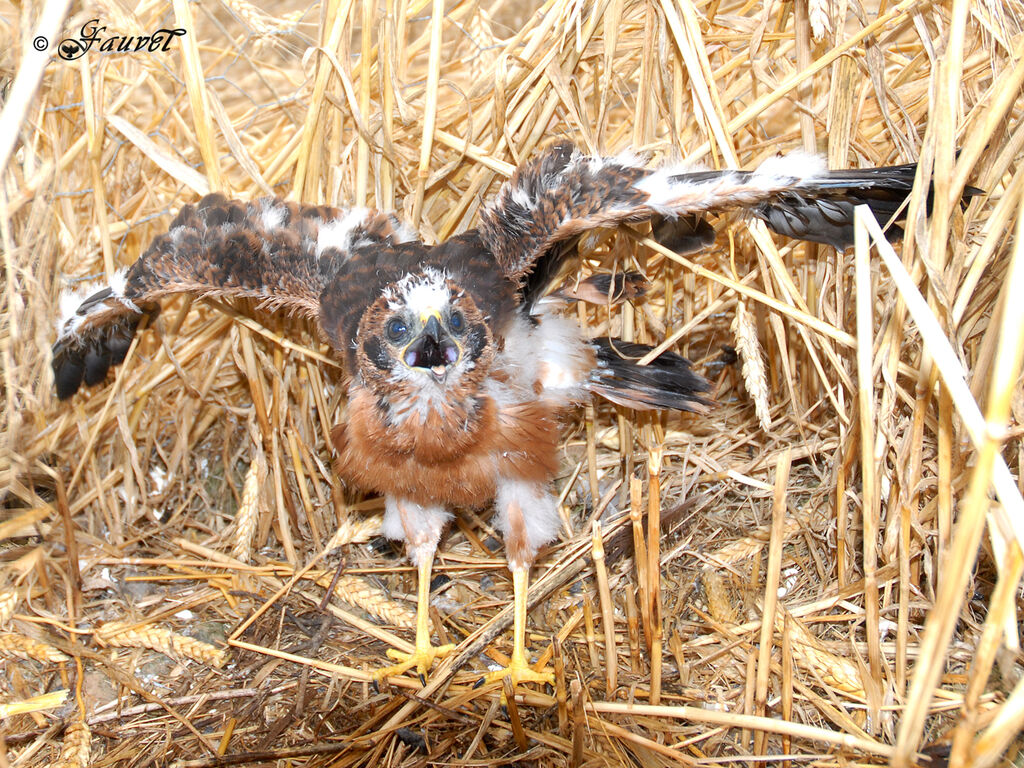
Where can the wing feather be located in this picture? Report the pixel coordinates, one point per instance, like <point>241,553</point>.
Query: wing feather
<point>282,253</point>
<point>562,193</point>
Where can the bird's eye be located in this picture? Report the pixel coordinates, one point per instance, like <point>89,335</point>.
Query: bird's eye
<point>396,328</point>
<point>455,322</point>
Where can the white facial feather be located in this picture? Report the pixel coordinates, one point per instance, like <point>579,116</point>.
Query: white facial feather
<point>423,294</point>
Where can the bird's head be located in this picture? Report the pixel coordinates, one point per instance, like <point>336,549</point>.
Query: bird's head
<point>424,333</point>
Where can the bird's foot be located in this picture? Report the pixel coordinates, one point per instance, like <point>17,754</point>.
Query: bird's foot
<point>520,671</point>
<point>421,658</point>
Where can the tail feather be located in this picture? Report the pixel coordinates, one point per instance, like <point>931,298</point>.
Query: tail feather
<point>667,382</point>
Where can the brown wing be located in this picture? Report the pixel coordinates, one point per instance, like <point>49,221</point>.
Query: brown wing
<point>282,253</point>
<point>562,193</point>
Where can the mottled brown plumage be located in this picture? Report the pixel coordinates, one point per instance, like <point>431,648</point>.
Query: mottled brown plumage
<point>458,371</point>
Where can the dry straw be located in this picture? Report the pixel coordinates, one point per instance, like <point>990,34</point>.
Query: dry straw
<point>248,511</point>
<point>754,374</point>
<point>883,569</point>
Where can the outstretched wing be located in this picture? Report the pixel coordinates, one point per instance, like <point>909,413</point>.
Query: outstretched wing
<point>562,193</point>
<point>282,253</point>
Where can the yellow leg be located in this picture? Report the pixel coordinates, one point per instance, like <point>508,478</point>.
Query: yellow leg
<point>424,654</point>
<point>519,669</point>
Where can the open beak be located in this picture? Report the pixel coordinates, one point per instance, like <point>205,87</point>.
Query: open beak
<point>433,349</point>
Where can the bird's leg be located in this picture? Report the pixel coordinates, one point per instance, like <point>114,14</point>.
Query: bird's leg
<point>421,528</point>
<point>424,653</point>
<point>528,517</point>
<point>519,669</point>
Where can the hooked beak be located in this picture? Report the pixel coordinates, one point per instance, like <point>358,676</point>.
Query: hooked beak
<point>433,349</point>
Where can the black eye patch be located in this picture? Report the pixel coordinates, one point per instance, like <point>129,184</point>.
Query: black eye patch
<point>375,353</point>
<point>476,340</point>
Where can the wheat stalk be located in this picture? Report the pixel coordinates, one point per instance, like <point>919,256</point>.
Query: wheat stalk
<point>717,594</point>
<point>122,634</point>
<point>833,670</point>
<point>13,645</point>
<point>248,510</point>
<point>74,752</point>
<point>754,375</point>
<point>819,13</point>
<point>354,530</point>
<point>8,602</point>
<point>257,20</point>
<point>751,544</point>
<point>372,599</point>
<point>34,704</point>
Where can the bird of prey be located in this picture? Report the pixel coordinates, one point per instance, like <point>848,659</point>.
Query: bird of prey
<point>458,366</point>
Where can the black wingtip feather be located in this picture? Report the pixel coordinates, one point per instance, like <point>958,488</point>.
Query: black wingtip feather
<point>97,363</point>
<point>68,370</point>
<point>667,382</point>
<point>822,210</point>
<point>76,362</point>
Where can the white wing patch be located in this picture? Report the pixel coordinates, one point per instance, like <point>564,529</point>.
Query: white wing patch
<point>521,197</point>
<point>72,299</point>
<point>338,233</point>
<point>801,166</point>
<point>551,353</point>
<point>271,216</point>
<point>670,191</point>
<point>665,189</point>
